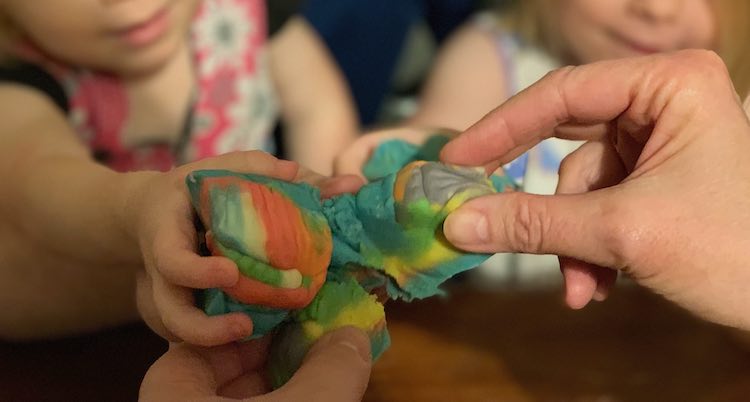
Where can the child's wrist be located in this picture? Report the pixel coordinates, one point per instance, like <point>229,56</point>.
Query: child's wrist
<point>132,199</point>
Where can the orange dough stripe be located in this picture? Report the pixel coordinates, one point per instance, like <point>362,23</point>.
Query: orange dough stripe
<point>289,245</point>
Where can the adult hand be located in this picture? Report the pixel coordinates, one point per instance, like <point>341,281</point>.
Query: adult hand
<point>163,226</point>
<point>661,190</point>
<point>336,368</point>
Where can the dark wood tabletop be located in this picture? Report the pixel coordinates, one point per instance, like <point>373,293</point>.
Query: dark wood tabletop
<point>471,346</point>
<point>528,347</point>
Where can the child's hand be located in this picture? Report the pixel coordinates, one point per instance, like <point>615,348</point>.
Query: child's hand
<point>163,227</point>
<point>330,186</point>
<point>356,155</point>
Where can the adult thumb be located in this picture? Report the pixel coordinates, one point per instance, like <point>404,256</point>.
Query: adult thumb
<point>336,369</point>
<point>571,225</point>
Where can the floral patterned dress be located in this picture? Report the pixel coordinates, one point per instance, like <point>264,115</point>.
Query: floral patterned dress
<point>233,107</point>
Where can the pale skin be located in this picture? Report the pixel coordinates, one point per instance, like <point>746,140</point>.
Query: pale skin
<point>76,233</point>
<point>316,106</point>
<point>660,190</point>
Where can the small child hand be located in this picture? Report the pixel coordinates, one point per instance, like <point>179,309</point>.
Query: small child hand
<point>163,226</point>
<point>354,157</point>
<point>330,186</point>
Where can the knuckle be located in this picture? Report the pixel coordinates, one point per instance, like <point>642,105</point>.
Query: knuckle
<point>160,261</point>
<point>172,329</point>
<point>559,74</point>
<point>174,320</point>
<point>158,265</point>
<point>560,80</point>
<point>525,230</point>
<point>621,234</point>
<point>696,68</point>
<point>703,59</point>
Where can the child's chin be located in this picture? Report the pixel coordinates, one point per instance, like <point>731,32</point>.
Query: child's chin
<point>144,61</point>
<point>140,70</point>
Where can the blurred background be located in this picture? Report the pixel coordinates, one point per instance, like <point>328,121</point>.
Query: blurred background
<point>384,48</point>
<point>503,333</point>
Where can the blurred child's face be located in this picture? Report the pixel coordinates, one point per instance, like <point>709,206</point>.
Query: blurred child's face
<point>605,29</point>
<point>127,37</point>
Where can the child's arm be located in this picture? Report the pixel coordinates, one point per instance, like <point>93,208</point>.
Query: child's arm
<point>61,220</point>
<point>316,106</point>
<point>55,195</point>
<point>467,81</point>
<point>68,220</point>
<point>353,159</point>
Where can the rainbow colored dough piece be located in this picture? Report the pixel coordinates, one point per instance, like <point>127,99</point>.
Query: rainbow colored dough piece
<point>309,266</point>
<point>394,226</point>
<point>274,231</point>
<point>338,304</point>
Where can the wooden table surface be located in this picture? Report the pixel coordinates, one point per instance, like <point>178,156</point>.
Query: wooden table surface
<point>473,346</point>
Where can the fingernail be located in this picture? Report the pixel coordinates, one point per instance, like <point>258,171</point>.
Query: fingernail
<point>283,163</point>
<point>467,228</point>
<point>350,338</point>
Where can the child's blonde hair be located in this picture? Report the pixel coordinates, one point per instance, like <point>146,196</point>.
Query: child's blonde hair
<point>535,21</point>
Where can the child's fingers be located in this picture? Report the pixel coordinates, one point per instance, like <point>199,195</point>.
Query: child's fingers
<point>145,301</point>
<point>187,269</point>
<point>181,317</point>
<point>309,176</point>
<point>174,257</point>
<point>352,160</point>
<point>255,162</point>
<point>330,186</point>
<point>333,186</point>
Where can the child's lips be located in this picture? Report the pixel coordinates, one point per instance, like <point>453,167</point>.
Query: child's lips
<point>146,32</point>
